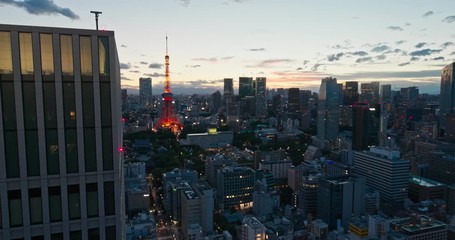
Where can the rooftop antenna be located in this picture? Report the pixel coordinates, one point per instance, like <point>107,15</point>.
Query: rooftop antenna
<point>166,44</point>
<point>96,17</point>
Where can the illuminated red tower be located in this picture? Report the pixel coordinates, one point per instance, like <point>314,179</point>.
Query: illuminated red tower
<point>168,119</point>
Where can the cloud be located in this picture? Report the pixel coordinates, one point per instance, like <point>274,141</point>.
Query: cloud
<point>359,53</point>
<point>125,65</point>
<point>123,45</point>
<point>305,62</point>
<point>185,3</point>
<point>380,48</point>
<point>193,66</point>
<point>449,19</point>
<point>392,74</point>
<point>452,53</point>
<point>134,71</point>
<point>143,63</point>
<point>155,74</point>
<point>270,63</point>
<point>404,64</point>
<point>363,59</point>
<point>316,67</point>
<point>155,65</point>
<point>407,24</point>
<point>256,49</point>
<point>420,45</point>
<point>427,14</point>
<point>395,28</point>
<point>298,69</point>
<point>400,42</point>
<point>381,57</point>
<point>212,59</point>
<point>42,7</point>
<point>413,59</point>
<point>447,44</point>
<point>425,52</point>
<point>227,58</point>
<point>438,58</point>
<point>125,79</point>
<point>334,57</point>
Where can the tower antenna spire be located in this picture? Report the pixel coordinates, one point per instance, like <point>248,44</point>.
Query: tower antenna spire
<point>166,45</point>
<point>97,13</point>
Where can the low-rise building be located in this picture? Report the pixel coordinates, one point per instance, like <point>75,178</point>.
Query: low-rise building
<point>142,226</point>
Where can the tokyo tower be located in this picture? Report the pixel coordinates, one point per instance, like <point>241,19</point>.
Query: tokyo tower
<point>168,119</point>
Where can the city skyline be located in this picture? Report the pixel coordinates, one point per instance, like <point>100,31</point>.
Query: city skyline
<point>293,45</point>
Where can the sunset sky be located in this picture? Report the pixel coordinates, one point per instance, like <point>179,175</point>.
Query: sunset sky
<point>293,43</point>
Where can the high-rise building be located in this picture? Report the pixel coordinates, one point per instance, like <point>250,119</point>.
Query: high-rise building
<point>441,167</point>
<point>294,108</point>
<point>447,96</point>
<point>360,121</point>
<point>215,102</point>
<point>198,207</point>
<point>61,171</point>
<point>350,93</point>
<point>385,172</point>
<point>386,93</point>
<point>328,109</point>
<point>235,186</point>
<point>145,91</point>
<point>246,87</point>
<point>339,198</point>
<point>308,195</point>
<point>228,87</point>
<point>261,97</point>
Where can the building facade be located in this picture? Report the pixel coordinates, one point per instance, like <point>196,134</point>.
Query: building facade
<point>261,97</point>
<point>385,172</point>
<point>328,109</point>
<point>246,87</point>
<point>235,186</point>
<point>447,96</point>
<point>61,171</point>
<point>145,91</point>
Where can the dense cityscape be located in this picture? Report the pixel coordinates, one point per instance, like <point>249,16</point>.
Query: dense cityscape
<point>85,156</point>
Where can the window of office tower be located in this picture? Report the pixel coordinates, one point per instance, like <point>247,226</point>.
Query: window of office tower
<point>86,57</point>
<point>74,208</point>
<point>103,52</point>
<point>66,52</point>
<point>55,204</point>
<point>92,199</point>
<point>47,55</point>
<point>26,54</point>
<point>15,208</point>
<point>6,61</point>
<point>36,213</point>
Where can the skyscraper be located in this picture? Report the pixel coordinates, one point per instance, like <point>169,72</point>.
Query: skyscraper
<point>360,121</point>
<point>447,96</point>
<point>294,108</point>
<point>61,171</point>
<point>350,93</point>
<point>328,109</point>
<point>228,87</point>
<point>246,87</point>
<point>145,91</point>
<point>385,172</point>
<point>261,97</point>
<point>339,198</point>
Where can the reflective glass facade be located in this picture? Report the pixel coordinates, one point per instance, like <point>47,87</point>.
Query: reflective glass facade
<point>59,131</point>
